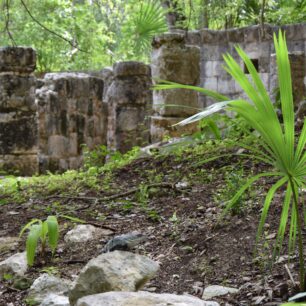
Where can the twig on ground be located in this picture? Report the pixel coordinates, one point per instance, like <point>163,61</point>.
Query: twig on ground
<point>115,196</point>
<point>290,275</point>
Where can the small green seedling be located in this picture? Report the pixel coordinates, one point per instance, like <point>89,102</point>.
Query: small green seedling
<point>40,230</point>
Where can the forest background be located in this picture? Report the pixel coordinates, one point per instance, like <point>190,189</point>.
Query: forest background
<point>74,35</point>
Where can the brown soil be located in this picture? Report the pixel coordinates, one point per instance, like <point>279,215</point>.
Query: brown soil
<point>195,249</point>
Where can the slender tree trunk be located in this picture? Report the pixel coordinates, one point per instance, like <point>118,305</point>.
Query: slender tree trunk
<point>204,17</point>
<point>175,17</point>
<point>262,17</point>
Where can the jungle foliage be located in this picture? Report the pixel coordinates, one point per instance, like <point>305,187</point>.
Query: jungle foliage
<point>90,34</point>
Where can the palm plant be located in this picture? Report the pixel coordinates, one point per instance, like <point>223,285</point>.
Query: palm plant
<point>278,144</point>
<point>148,21</point>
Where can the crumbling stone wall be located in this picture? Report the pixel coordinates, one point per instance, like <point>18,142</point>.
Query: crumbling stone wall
<point>174,60</point>
<point>70,114</point>
<point>129,101</point>
<point>258,44</point>
<point>18,121</point>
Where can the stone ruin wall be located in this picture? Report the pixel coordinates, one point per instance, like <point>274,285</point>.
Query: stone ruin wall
<point>196,58</point>
<point>18,118</point>
<point>44,123</point>
<point>129,102</point>
<point>257,42</point>
<point>70,114</point>
<point>46,130</point>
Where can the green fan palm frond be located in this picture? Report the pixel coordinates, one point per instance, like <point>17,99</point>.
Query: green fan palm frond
<point>148,22</point>
<point>278,143</point>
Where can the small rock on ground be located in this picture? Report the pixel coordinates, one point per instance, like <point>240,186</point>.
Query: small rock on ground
<point>8,244</point>
<point>15,265</point>
<point>55,300</point>
<point>141,298</point>
<point>85,232</point>
<point>215,291</point>
<point>46,284</point>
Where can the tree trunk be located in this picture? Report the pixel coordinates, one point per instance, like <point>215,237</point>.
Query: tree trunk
<point>175,16</point>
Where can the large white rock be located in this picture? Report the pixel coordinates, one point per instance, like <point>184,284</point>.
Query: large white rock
<point>46,284</point>
<point>83,233</point>
<point>55,300</point>
<point>215,290</point>
<point>15,265</point>
<point>141,298</point>
<point>114,271</point>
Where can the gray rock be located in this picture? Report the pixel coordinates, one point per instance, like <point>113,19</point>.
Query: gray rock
<point>47,284</point>
<point>115,271</point>
<point>55,300</point>
<point>215,291</point>
<point>84,233</point>
<point>8,243</point>
<point>141,298</point>
<point>15,265</point>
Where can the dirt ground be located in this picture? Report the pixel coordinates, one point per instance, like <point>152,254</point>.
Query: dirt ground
<point>195,248</point>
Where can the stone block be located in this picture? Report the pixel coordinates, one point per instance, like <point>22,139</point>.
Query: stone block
<point>17,59</point>
<point>17,93</point>
<point>125,92</point>
<point>295,31</point>
<point>251,34</point>
<point>213,68</point>
<point>210,83</point>
<point>73,144</point>
<point>235,35</point>
<point>163,126</point>
<point>180,97</point>
<point>296,46</point>
<point>213,36</point>
<point>58,146</point>
<point>128,119</point>
<point>20,164</point>
<point>18,135</point>
<point>226,86</point>
<point>214,52</point>
<point>193,38</point>
<point>179,65</point>
<point>168,40</point>
<point>125,69</point>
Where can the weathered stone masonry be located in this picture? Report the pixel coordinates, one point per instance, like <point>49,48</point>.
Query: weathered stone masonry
<point>258,44</point>
<point>44,123</point>
<point>70,114</point>
<point>46,130</point>
<point>18,120</point>
<point>129,101</point>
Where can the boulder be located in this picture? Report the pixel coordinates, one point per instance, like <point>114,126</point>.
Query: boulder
<point>141,298</point>
<point>45,285</point>
<point>15,265</point>
<point>114,271</point>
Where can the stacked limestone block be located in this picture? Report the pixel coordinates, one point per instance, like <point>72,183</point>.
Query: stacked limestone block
<point>71,114</point>
<point>257,41</point>
<point>215,44</point>
<point>174,60</point>
<point>129,99</point>
<point>18,122</point>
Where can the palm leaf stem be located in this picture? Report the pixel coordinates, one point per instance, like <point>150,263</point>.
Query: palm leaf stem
<point>300,237</point>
